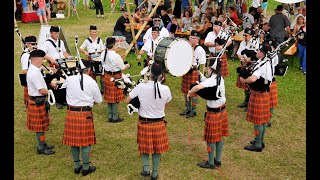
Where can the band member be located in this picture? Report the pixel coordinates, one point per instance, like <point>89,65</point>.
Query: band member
<point>31,44</point>
<point>55,50</point>
<point>113,66</point>
<point>248,44</point>
<point>79,128</point>
<point>94,47</point>
<point>163,32</point>
<point>215,48</point>
<point>152,134</point>
<point>193,75</point>
<point>216,117</point>
<point>38,119</point>
<point>259,102</point>
<point>150,46</point>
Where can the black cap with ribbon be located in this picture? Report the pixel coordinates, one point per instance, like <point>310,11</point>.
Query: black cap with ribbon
<point>37,53</point>
<point>30,39</point>
<point>154,28</point>
<point>156,71</point>
<point>249,31</point>
<point>93,27</point>
<point>218,23</point>
<point>265,48</point>
<point>195,33</point>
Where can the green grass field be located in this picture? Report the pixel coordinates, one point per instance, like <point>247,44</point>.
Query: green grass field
<point>116,155</point>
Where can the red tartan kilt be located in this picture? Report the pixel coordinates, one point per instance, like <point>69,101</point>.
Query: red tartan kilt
<point>38,119</point>
<point>273,94</point>
<point>240,84</point>
<point>216,126</point>
<point>224,65</point>
<point>111,93</point>
<point>25,95</point>
<point>78,130</point>
<point>187,80</point>
<point>259,107</point>
<point>152,138</point>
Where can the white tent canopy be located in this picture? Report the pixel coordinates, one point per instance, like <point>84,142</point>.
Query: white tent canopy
<point>289,1</point>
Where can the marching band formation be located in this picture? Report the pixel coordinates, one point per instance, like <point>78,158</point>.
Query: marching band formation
<point>71,82</point>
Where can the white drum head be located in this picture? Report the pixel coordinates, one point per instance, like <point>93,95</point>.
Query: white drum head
<point>179,57</point>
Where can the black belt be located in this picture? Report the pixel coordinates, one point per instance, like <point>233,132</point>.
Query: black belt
<point>79,108</point>
<point>112,73</point>
<point>34,97</point>
<point>260,91</point>
<point>150,120</point>
<point>215,109</point>
<point>95,53</point>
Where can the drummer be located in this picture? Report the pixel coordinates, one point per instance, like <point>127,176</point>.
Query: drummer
<point>94,48</point>
<point>163,32</point>
<point>150,46</point>
<point>113,66</point>
<point>55,50</point>
<point>193,75</point>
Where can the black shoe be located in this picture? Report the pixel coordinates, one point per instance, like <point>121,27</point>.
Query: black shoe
<point>243,105</point>
<point>217,163</point>
<point>110,119</point>
<point>88,171</point>
<point>184,113</point>
<point>45,151</point>
<point>117,120</point>
<point>269,124</point>
<point>154,178</point>
<point>253,142</point>
<point>145,173</point>
<point>253,148</point>
<point>191,114</point>
<point>48,146</point>
<point>205,164</point>
<point>77,170</point>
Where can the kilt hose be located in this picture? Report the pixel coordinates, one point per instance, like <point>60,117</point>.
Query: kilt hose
<point>187,80</point>
<point>152,137</point>
<point>25,95</point>
<point>79,129</point>
<point>38,119</point>
<point>112,94</point>
<point>273,94</point>
<point>216,126</point>
<point>259,107</point>
<point>224,65</point>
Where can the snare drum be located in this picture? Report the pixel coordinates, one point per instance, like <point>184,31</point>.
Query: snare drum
<point>175,55</point>
<point>96,67</point>
<point>70,67</point>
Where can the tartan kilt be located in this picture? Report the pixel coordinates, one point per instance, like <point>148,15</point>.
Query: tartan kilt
<point>78,130</point>
<point>216,126</point>
<point>273,94</point>
<point>259,107</point>
<point>111,93</point>
<point>224,65</point>
<point>25,95</point>
<point>152,137</point>
<point>187,80</point>
<point>38,119</point>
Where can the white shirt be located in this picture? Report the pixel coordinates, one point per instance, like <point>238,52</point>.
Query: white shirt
<point>200,56</point>
<point>76,97</point>
<point>247,45</point>
<point>51,51</point>
<point>92,47</point>
<point>210,82</point>
<point>25,60</point>
<point>248,20</point>
<point>149,106</point>
<point>35,81</point>
<point>147,47</point>
<point>163,33</point>
<point>256,3</point>
<point>113,61</point>
<point>264,71</point>
<point>211,37</point>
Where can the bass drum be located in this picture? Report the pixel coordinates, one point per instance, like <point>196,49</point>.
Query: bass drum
<point>175,55</point>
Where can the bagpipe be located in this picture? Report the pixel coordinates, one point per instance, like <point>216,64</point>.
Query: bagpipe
<point>233,28</point>
<point>208,93</point>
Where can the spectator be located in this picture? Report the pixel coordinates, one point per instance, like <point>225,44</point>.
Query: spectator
<point>24,5</point>
<point>248,18</point>
<point>174,21</point>
<point>48,2</point>
<point>302,50</point>
<point>99,7</point>
<point>233,15</point>
<point>186,20</point>
<point>169,11</point>
<point>208,27</point>
<point>85,4</point>
<point>41,12</point>
<point>164,17</point>
<point>74,6</point>
<point>264,6</point>
<point>185,6</point>
<point>121,25</point>
<point>303,14</point>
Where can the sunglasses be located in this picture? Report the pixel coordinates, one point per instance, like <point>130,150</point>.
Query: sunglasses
<point>33,44</point>
<point>157,20</point>
<point>245,35</point>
